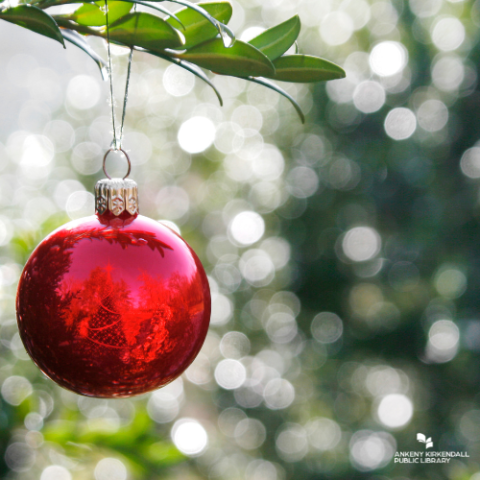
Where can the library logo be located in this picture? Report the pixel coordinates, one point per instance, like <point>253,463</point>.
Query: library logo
<point>427,456</point>
<point>422,439</point>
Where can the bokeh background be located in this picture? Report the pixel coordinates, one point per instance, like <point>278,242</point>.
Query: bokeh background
<point>343,254</point>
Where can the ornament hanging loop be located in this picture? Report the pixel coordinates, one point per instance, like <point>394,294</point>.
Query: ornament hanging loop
<point>112,149</point>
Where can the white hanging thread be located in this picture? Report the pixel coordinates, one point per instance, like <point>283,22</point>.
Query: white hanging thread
<point>117,141</point>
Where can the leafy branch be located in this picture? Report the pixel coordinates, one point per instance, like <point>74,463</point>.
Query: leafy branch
<point>196,36</point>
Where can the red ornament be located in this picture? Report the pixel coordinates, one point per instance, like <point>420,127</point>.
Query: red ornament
<point>115,304</point>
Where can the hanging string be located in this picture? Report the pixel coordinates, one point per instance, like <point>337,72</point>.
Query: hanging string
<point>117,142</point>
<point>127,84</point>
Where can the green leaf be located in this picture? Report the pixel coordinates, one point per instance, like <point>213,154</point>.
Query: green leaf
<point>241,60</point>
<point>227,35</point>
<point>198,29</point>
<point>305,68</point>
<point>93,15</point>
<point>34,19</point>
<point>158,8</point>
<point>79,41</point>
<point>267,83</point>
<point>146,31</point>
<point>275,41</point>
<point>198,72</point>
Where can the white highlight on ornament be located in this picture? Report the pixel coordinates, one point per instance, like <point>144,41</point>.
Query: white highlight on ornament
<point>388,58</point>
<point>172,225</point>
<point>247,227</point>
<point>189,436</point>
<point>83,92</point>
<point>400,123</point>
<point>361,244</point>
<point>230,374</point>
<point>55,472</point>
<point>369,96</point>
<point>448,34</point>
<point>110,469</point>
<point>470,163</point>
<point>196,134</point>
<point>177,81</point>
<point>395,410</point>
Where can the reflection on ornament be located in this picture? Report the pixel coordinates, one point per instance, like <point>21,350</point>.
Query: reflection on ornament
<point>115,304</point>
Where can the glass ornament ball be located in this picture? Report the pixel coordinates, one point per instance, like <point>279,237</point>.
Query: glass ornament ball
<point>113,305</point>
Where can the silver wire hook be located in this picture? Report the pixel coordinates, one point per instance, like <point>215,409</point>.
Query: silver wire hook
<point>112,149</point>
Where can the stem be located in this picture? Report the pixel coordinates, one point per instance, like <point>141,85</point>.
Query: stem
<point>63,22</point>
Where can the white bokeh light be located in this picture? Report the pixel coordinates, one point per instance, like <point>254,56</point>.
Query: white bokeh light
<point>443,341</point>
<point>323,433</point>
<point>371,450</point>
<point>279,394</point>
<point>448,72</point>
<point>177,81</point>
<point>336,28</point>
<point>196,134</point>
<point>16,389</point>
<point>247,227</point>
<point>432,115</point>
<point>110,469</point>
<point>369,96</point>
<point>222,309</point>
<point>388,58</point>
<point>257,267</point>
<point>80,204</point>
<point>83,92</point>
<point>448,33</point>
<point>400,123</point>
<point>189,436</point>
<point>450,281</point>
<point>361,244</point>
<point>326,327</point>
<point>395,410</point>
<point>55,472</point>
<point>292,443</point>
<point>230,374</point>
<point>470,163</point>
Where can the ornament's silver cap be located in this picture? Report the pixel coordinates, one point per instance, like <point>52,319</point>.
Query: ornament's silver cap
<point>116,195</point>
